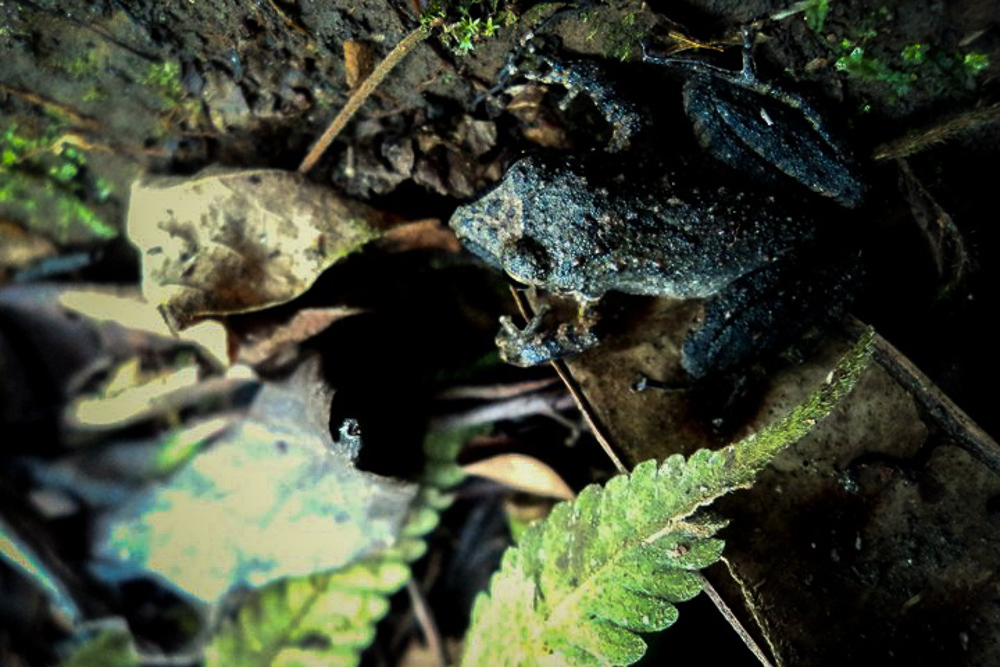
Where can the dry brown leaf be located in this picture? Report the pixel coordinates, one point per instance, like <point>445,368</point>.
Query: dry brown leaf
<point>239,241</point>
<point>420,235</point>
<point>523,473</point>
<point>359,61</point>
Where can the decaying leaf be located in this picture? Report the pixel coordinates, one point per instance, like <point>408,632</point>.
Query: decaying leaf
<point>944,240</point>
<point>329,618</point>
<point>239,241</point>
<point>420,235</point>
<point>130,396</point>
<point>274,497</point>
<point>50,354</point>
<point>126,307</point>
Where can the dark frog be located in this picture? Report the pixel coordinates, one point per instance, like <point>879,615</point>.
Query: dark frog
<point>592,223</point>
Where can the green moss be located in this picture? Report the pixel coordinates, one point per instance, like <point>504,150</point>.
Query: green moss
<point>926,68</point>
<point>84,66</point>
<point>165,79</point>
<point>975,62</point>
<point>48,187</point>
<point>467,22</point>
<point>87,68</point>
<point>815,13</point>
<point>180,109</point>
<point>858,64</point>
<point>621,35</point>
<point>933,69</point>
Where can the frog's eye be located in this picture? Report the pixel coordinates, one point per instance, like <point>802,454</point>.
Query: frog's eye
<point>527,261</point>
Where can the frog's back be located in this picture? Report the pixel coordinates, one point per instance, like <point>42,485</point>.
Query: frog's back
<point>655,236</point>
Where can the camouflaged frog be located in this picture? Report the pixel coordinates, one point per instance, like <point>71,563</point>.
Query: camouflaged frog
<point>574,225</point>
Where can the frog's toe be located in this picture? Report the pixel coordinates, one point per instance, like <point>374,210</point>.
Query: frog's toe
<point>532,346</point>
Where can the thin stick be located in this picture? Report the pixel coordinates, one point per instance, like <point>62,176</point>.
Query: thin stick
<point>562,370</point>
<point>587,411</point>
<point>366,88</point>
<point>58,107</point>
<point>734,622</point>
<point>426,622</point>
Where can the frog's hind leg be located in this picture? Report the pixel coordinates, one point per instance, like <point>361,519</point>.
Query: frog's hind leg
<point>764,312</point>
<point>760,129</point>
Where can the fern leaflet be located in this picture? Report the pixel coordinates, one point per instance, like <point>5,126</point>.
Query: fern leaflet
<point>582,583</point>
<point>329,618</point>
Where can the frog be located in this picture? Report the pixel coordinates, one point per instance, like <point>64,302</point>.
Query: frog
<point>585,224</point>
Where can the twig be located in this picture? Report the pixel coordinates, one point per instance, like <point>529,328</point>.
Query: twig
<point>52,105</point>
<point>921,140</point>
<point>367,87</point>
<point>734,622</point>
<point>934,403</point>
<point>512,408</point>
<point>426,622</point>
<point>495,392</point>
<point>287,19</point>
<point>574,390</point>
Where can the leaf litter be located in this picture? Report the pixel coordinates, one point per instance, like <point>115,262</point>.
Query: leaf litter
<point>239,286</point>
<point>239,241</point>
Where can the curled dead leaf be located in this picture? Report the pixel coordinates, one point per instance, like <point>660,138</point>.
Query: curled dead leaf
<point>232,242</point>
<point>420,235</point>
<point>524,473</point>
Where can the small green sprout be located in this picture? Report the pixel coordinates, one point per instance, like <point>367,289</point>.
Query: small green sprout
<point>975,62</point>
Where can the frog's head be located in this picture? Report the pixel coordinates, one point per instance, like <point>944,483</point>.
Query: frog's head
<point>492,228</point>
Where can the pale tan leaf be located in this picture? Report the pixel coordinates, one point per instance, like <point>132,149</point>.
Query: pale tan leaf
<point>523,473</point>
<point>127,308</point>
<point>129,396</point>
<point>122,306</point>
<point>239,241</point>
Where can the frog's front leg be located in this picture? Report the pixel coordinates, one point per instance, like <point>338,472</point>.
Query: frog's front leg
<point>534,344</point>
<point>591,79</point>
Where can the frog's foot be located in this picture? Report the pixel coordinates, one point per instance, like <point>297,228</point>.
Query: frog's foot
<point>532,345</point>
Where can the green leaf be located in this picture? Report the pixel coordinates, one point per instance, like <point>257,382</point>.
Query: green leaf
<point>104,643</point>
<point>296,621</point>
<point>329,618</point>
<point>583,583</point>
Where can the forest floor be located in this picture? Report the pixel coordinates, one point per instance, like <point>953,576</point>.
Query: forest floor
<point>140,138</point>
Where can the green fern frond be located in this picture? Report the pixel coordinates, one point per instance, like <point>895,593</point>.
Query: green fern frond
<point>329,618</point>
<point>583,583</point>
